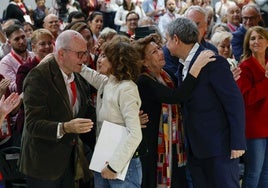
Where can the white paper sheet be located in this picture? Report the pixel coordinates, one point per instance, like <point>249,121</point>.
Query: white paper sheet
<point>110,137</point>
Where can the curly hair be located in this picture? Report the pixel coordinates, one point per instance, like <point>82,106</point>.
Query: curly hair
<point>123,57</point>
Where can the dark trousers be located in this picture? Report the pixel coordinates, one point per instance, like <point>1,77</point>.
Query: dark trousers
<point>65,181</point>
<point>214,172</point>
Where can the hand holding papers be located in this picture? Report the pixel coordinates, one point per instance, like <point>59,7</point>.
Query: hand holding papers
<point>110,137</point>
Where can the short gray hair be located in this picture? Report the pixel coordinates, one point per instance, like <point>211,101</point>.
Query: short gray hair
<point>66,38</point>
<point>198,9</point>
<point>185,29</point>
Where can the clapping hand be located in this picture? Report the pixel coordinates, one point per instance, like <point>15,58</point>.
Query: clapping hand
<point>3,86</point>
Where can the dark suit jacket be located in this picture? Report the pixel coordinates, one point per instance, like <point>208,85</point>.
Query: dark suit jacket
<point>213,115</point>
<point>238,41</point>
<point>14,11</point>
<point>46,103</point>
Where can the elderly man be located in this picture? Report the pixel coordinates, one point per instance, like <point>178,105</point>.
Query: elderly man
<point>57,110</point>
<point>251,16</point>
<point>233,16</point>
<point>51,23</point>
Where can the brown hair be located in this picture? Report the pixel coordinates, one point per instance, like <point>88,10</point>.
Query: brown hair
<point>141,44</point>
<point>247,53</point>
<point>123,57</point>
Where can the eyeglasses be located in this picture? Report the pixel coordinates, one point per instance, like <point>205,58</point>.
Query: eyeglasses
<point>132,19</point>
<point>80,54</point>
<point>249,18</point>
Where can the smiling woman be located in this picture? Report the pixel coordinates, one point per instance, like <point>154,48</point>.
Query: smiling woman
<point>118,102</point>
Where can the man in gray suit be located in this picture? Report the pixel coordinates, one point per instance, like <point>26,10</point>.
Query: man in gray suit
<point>57,110</point>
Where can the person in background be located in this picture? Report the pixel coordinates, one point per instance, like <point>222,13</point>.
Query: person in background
<point>220,27</point>
<point>76,16</point>
<point>198,15</point>
<point>221,8</point>
<point>57,109</point>
<point>51,23</point>
<point>39,13</point>
<point>213,145</point>
<point>168,16</point>
<point>163,159</point>
<point>123,10</point>
<point>118,102</point>
<point>233,16</point>
<point>7,105</point>
<point>11,103</point>
<point>4,44</point>
<point>108,8</point>
<point>222,41</point>
<point>132,22</point>
<point>19,54</point>
<point>251,16</point>
<point>95,23</point>
<point>28,29</point>
<point>154,9</point>
<point>42,45</point>
<point>18,10</point>
<point>253,85</point>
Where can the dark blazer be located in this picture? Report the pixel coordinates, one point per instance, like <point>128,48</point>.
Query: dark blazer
<point>46,103</point>
<point>214,117</point>
<point>238,41</point>
<point>14,11</point>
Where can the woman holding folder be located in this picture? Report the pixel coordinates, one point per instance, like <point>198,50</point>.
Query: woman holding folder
<point>118,102</point>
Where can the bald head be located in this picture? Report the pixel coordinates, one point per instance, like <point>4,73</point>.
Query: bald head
<point>51,23</point>
<point>67,39</point>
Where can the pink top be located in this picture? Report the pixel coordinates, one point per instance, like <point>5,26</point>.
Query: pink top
<point>9,66</point>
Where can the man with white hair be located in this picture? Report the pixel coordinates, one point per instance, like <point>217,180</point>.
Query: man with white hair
<point>57,111</point>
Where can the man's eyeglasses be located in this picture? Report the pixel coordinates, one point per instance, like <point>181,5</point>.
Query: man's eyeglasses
<point>80,54</point>
<point>250,18</point>
<point>133,19</point>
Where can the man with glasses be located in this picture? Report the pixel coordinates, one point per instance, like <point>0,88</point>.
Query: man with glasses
<point>132,20</point>
<point>251,16</point>
<point>57,110</point>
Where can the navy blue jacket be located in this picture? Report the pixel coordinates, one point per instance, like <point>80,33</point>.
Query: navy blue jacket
<point>213,114</point>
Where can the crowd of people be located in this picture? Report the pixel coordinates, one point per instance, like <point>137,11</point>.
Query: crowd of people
<point>185,78</point>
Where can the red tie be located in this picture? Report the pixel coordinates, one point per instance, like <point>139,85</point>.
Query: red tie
<point>73,88</point>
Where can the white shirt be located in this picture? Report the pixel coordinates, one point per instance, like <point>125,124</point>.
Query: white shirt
<point>187,61</point>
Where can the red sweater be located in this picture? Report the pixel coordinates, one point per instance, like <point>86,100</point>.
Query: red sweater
<point>254,87</point>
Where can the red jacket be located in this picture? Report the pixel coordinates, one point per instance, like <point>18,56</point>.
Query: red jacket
<point>254,87</point>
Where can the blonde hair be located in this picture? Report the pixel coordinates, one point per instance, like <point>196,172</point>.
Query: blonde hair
<point>37,34</point>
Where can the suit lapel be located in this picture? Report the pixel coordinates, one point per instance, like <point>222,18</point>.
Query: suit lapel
<point>195,56</point>
<point>60,86</point>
